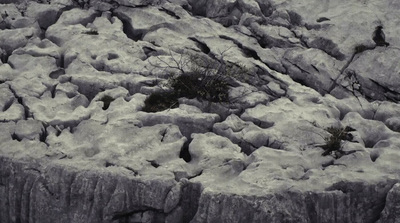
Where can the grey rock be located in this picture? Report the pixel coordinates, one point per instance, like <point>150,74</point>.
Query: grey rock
<point>54,193</point>
<point>75,145</point>
<point>361,203</point>
<point>45,14</point>
<point>391,212</point>
<point>173,198</point>
<point>29,129</point>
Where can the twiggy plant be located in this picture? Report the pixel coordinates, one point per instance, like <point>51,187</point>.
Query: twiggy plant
<point>198,76</point>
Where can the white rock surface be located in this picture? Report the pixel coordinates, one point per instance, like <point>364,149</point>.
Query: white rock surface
<point>76,145</point>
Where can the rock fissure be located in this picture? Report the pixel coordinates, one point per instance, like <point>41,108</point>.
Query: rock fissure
<point>169,12</point>
<point>21,102</point>
<point>201,45</point>
<point>129,31</point>
<point>247,51</point>
<point>8,104</point>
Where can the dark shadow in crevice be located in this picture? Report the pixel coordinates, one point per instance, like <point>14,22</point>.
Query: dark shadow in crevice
<point>89,91</point>
<point>149,51</point>
<point>322,19</point>
<point>52,90</point>
<point>369,143</point>
<point>326,164</point>
<point>169,12</point>
<point>153,163</point>
<point>202,46</point>
<point>129,31</point>
<point>328,46</point>
<point>43,136</point>
<point>247,148</point>
<point>300,81</point>
<point>7,105</point>
<point>196,175</point>
<point>187,8</point>
<point>3,24</point>
<point>112,56</point>
<point>106,101</point>
<point>190,197</point>
<point>42,34</point>
<point>60,61</point>
<point>57,73</point>
<point>197,8</point>
<point>263,42</point>
<point>121,217</point>
<point>100,66</point>
<point>20,101</point>
<point>266,8</point>
<point>138,6</point>
<point>295,18</point>
<point>58,130</point>
<point>185,154</point>
<point>262,124</point>
<point>15,137</point>
<point>4,55</point>
<point>110,164</point>
<point>374,156</point>
<point>250,53</point>
<point>135,173</point>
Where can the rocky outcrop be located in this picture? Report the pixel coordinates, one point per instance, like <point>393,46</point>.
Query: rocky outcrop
<point>309,131</point>
<point>34,192</point>
<point>295,206</point>
<point>391,211</point>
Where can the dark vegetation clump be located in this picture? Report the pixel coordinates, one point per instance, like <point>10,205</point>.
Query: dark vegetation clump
<point>205,79</point>
<point>160,101</point>
<point>197,85</point>
<point>106,101</point>
<point>334,141</point>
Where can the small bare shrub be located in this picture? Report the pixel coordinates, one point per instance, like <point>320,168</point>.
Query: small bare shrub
<point>198,77</point>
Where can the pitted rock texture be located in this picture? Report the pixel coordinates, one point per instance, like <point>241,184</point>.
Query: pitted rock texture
<point>77,145</point>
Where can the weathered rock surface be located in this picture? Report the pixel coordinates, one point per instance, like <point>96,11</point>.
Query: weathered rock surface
<point>392,209</point>
<point>77,146</point>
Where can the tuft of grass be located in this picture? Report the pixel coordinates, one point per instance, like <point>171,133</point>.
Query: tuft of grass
<point>334,141</point>
<point>106,101</point>
<point>160,101</point>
